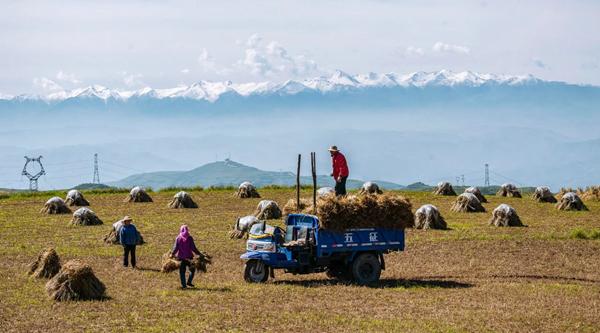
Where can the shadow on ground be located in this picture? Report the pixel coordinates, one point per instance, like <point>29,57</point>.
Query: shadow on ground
<point>384,283</point>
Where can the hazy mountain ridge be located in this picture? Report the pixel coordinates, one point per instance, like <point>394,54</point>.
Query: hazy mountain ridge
<point>226,173</point>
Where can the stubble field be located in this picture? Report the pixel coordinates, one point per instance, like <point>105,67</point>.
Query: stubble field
<point>473,277</point>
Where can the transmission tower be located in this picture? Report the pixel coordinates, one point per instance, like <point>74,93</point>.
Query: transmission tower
<point>462,179</point>
<point>96,179</point>
<point>487,175</point>
<point>33,179</point>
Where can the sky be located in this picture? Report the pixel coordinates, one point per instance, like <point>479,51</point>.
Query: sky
<point>46,47</point>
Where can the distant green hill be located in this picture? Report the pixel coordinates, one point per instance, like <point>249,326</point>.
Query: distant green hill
<point>91,186</point>
<point>226,173</point>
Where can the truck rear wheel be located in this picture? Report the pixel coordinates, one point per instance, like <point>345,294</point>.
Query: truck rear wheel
<point>255,271</point>
<point>366,269</point>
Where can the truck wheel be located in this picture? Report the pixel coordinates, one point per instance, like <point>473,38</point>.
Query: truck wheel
<point>366,269</point>
<point>255,271</point>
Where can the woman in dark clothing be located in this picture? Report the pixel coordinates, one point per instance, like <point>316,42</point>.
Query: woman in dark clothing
<point>184,250</point>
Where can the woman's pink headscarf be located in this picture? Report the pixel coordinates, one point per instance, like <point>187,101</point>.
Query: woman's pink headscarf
<point>184,232</point>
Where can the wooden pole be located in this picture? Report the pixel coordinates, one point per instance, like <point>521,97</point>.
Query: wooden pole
<point>298,184</point>
<point>313,163</point>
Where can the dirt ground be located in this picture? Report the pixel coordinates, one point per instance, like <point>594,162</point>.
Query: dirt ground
<point>471,278</point>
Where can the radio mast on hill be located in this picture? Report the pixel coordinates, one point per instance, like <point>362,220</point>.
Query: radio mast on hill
<point>487,175</point>
<point>33,179</point>
<point>96,179</point>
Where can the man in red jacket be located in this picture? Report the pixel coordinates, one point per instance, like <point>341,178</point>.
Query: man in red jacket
<point>340,170</point>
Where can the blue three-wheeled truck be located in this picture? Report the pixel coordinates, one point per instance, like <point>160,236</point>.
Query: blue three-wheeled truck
<point>352,254</point>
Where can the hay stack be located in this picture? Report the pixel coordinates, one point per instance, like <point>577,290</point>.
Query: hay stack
<point>509,190</point>
<point>172,264</point>
<point>591,193</point>
<point>325,191</point>
<point>571,201</point>
<point>46,265</point>
<point>305,206</point>
<point>429,217</point>
<point>543,194</point>
<point>138,194</point>
<point>467,203</point>
<point>476,192</point>
<point>85,216</point>
<point>367,211</point>
<point>55,205</point>
<point>505,216</point>
<point>267,210</point>
<point>444,188</point>
<point>182,200</point>
<point>247,190</point>
<point>370,188</point>
<point>242,226</point>
<point>75,198</point>
<point>113,235</point>
<point>75,281</point>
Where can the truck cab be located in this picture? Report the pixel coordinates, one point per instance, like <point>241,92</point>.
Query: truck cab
<point>304,248</point>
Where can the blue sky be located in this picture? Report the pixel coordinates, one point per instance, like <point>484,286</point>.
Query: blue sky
<point>132,44</point>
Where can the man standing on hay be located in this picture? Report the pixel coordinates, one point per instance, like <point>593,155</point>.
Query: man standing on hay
<point>340,170</point>
<point>128,236</point>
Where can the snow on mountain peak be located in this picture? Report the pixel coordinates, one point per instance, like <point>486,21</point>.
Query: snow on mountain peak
<point>338,81</point>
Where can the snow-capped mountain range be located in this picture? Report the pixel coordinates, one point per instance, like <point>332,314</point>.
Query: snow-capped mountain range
<point>338,81</point>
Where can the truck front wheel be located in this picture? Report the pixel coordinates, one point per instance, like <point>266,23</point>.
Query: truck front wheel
<point>255,271</point>
<point>366,269</point>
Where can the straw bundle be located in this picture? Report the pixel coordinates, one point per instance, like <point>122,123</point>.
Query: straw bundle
<point>325,191</point>
<point>112,237</point>
<point>367,211</point>
<point>75,281</point>
<point>267,210</point>
<point>591,193</point>
<point>182,200</point>
<point>55,205</point>
<point>75,198</point>
<point>138,194</point>
<point>200,262</point>
<point>444,188</point>
<point>509,190</point>
<point>571,201</point>
<point>85,216</point>
<point>543,194</point>
<point>467,203</point>
<point>370,188</point>
<point>505,216</point>
<point>46,265</point>
<point>247,190</point>
<point>429,217</point>
<point>476,192</point>
<point>242,226</point>
<point>305,206</point>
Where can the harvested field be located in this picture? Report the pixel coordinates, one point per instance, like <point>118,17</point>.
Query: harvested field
<point>467,278</point>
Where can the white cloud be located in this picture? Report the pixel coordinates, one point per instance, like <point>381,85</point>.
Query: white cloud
<point>133,80</point>
<point>414,51</point>
<point>185,71</point>
<point>274,59</point>
<point>449,48</point>
<point>66,77</point>
<point>46,84</point>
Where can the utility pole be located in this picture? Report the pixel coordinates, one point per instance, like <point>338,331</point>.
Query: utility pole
<point>33,179</point>
<point>487,175</point>
<point>96,179</point>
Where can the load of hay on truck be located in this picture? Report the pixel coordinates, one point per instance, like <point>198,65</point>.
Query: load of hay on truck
<point>305,247</point>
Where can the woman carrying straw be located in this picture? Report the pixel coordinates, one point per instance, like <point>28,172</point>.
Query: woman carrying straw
<point>184,250</point>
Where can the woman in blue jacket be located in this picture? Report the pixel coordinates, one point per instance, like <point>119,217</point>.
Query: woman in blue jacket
<point>128,235</point>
